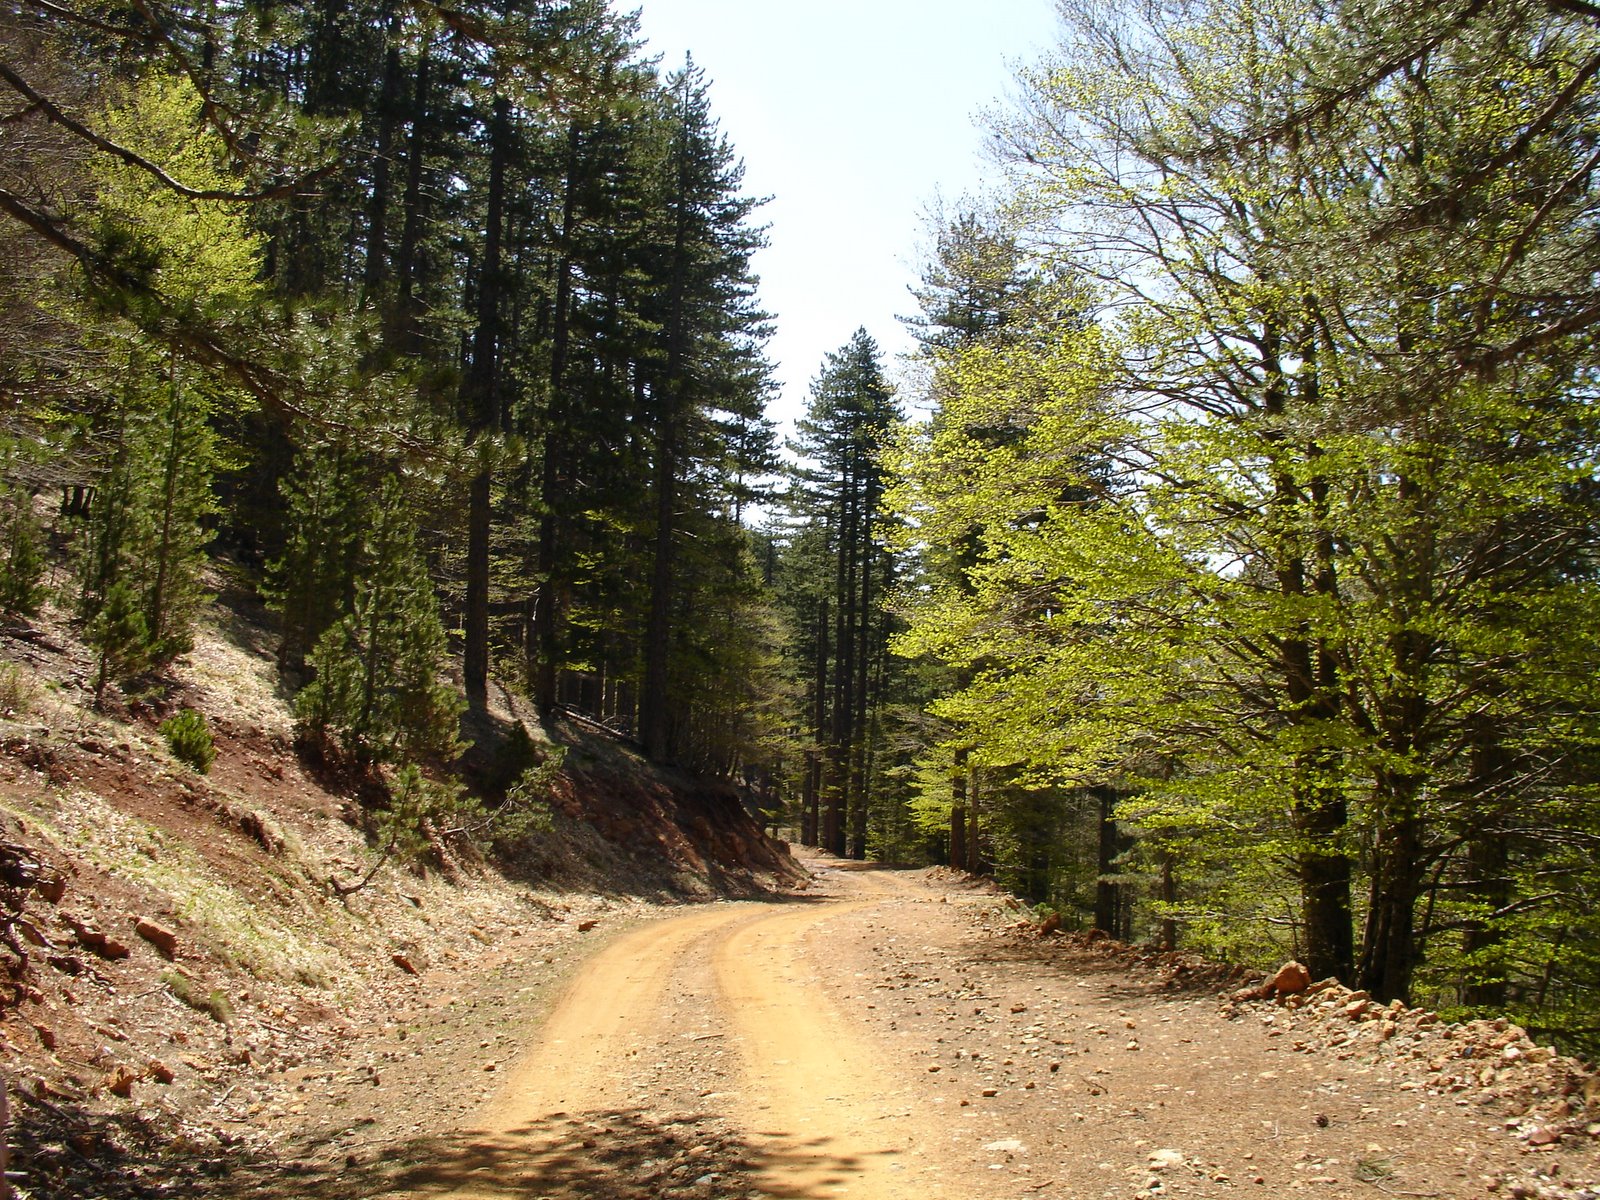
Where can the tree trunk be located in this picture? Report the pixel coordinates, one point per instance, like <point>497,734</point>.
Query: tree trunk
<point>402,327</point>
<point>1488,867</point>
<point>976,863</point>
<point>1389,954</point>
<point>860,781</point>
<point>654,729</point>
<point>543,641</point>
<point>375,267</point>
<point>1107,894</point>
<point>819,730</point>
<point>958,812</point>
<point>1169,897</point>
<point>483,412</point>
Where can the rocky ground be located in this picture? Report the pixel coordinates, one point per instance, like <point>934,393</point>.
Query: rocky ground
<point>904,1034</point>
<point>200,1012</point>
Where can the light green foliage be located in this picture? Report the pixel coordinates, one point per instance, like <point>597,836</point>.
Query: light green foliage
<point>152,428</point>
<point>189,739</point>
<point>201,257</point>
<point>1289,547</point>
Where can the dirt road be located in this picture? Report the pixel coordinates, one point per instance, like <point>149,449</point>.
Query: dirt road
<point>715,1020</point>
<point>894,1036</point>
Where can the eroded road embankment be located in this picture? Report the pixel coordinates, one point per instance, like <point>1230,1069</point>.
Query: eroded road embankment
<point>700,1056</point>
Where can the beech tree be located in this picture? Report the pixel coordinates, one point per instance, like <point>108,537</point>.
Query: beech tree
<point>1330,541</point>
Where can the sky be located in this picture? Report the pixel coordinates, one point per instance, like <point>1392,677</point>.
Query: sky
<point>855,116</point>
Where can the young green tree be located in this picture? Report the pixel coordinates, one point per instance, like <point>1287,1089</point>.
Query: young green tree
<point>377,687</point>
<point>154,422</point>
<point>327,506</point>
<point>1322,544</point>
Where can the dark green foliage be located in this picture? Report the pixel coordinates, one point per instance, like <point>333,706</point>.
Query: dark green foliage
<point>22,559</point>
<point>520,278</point>
<point>526,810</point>
<point>836,575</point>
<point>377,688</point>
<point>189,738</point>
<point>120,637</point>
<point>327,503</point>
<point>148,528</point>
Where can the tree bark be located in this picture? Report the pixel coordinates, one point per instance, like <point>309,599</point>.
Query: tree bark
<point>483,411</point>
<point>543,641</point>
<point>958,812</point>
<point>1107,894</point>
<point>402,327</point>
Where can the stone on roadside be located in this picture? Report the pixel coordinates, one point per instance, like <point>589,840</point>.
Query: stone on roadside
<point>162,938</point>
<point>1290,979</point>
<point>120,1082</point>
<point>94,940</point>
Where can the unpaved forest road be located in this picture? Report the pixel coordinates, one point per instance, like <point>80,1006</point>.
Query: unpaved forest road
<point>887,1040</point>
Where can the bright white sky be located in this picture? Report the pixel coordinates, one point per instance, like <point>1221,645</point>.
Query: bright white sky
<point>854,116</point>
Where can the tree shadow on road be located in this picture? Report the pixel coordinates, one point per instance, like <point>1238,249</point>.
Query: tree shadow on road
<point>610,1155</point>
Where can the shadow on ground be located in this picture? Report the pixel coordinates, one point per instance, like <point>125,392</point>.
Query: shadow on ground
<point>611,1155</point>
<point>61,1147</point>
<point>1115,967</point>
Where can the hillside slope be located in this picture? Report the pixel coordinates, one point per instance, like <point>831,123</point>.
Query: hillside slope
<point>181,970</point>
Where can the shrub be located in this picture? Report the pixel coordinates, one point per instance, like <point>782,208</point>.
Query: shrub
<point>214,1004</point>
<point>119,636</point>
<point>526,810</point>
<point>189,739</point>
<point>19,691</point>
<point>377,688</point>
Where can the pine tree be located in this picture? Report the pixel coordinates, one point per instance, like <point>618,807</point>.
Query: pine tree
<point>377,686</point>
<point>22,554</point>
<point>701,297</point>
<point>840,489</point>
<point>327,505</point>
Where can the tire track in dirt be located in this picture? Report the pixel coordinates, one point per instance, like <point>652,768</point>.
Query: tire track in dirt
<point>811,1111</point>
<point>815,1093</point>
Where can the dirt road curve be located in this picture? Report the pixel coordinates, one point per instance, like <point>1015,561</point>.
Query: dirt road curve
<point>892,1037</point>
<point>822,1112</point>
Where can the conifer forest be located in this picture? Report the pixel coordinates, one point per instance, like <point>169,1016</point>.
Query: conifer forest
<point>1220,570</point>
